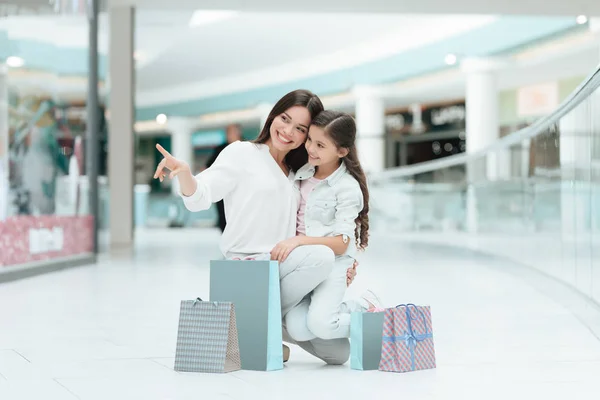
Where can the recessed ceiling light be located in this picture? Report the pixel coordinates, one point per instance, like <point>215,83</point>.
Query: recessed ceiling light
<point>582,19</point>
<point>205,17</point>
<point>161,119</point>
<point>15,62</point>
<point>450,59</point>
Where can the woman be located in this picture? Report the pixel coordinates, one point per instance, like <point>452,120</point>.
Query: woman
<point>255,182</point>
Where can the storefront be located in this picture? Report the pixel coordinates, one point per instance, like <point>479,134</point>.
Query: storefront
<point>424,133</point>
<point>44,213</point>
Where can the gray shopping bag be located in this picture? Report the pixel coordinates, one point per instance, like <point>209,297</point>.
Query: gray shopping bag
<point>366,331</point>
<point>253,286</point>
<point>207,338</point>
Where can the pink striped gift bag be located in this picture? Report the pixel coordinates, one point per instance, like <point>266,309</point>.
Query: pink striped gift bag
<point>407,343</point>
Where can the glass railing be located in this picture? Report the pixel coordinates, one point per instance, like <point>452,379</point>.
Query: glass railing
<point>533,196</point>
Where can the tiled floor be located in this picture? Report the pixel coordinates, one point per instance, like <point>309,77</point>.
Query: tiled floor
<point>108,331</point>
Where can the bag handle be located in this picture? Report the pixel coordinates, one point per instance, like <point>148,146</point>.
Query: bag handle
<point>409,319</point>
<point>199,300</point>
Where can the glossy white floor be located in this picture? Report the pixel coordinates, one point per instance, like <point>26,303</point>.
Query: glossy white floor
<point>108,331</point>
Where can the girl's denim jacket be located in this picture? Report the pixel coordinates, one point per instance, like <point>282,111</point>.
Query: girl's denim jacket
<point>332,206</point>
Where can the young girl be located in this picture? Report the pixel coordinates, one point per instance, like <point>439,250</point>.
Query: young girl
<point>333,211</point>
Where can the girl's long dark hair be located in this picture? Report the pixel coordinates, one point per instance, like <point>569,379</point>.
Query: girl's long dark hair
<point>341,128</point>
<point>298,157</point>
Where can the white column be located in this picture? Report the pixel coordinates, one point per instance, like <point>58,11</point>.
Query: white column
<point>482,119</point>
<point>417,123</point>
<point>121,131</point>
<point>181,144</point>
<point>576,140</point>
<point>370,124</point>
<point>595,29</point>
<point>482,128</point>
<point>576,130</point>
<point>263,110</point>
<point>4,183</point>
<point>525,158</point>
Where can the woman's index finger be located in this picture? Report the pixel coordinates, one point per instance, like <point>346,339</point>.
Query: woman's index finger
<point>162,150</point>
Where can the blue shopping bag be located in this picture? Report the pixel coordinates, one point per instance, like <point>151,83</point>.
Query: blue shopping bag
<point>253,287</point>
<point>366,331</point>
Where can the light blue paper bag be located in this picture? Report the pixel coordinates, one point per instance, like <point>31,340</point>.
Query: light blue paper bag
<point>366,330</point>
<point>253,286</point>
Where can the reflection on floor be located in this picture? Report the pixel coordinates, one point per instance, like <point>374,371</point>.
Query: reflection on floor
<point>108,331</point>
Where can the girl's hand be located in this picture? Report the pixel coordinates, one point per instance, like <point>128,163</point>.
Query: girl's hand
<point>351,273</point>
<point>171,163</point>
<point>283,249</point>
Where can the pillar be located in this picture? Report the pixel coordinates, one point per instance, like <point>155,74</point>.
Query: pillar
<point>263,110</point>
<point>579,135</point>
<point>482,119</point>
<point>370,124</point>
<point>595,200</point>
<point>93,119</point>
<point>575,164</point>
<point>525,158</point>
<point>4,182</point>
<point>181,144</point>
<point>121,129</point>
<point>482,130</point>
<point>595,29</point>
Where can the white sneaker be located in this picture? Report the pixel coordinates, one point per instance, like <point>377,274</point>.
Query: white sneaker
<point>372,300</point>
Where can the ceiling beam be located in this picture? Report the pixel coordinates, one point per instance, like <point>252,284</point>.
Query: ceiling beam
<point>507,7</point>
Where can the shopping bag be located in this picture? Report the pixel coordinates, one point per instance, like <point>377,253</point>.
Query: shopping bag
<point>366,330</point>
<point>207,338</point>
<point>407,343</point>
<point>253,286</point>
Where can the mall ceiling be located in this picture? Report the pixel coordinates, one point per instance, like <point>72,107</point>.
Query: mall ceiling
<point>529,7</point>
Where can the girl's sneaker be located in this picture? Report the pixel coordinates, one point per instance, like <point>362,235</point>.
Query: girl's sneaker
<point>372,301</point>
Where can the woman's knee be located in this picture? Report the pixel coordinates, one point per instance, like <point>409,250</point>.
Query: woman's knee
<point>341,356</point>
